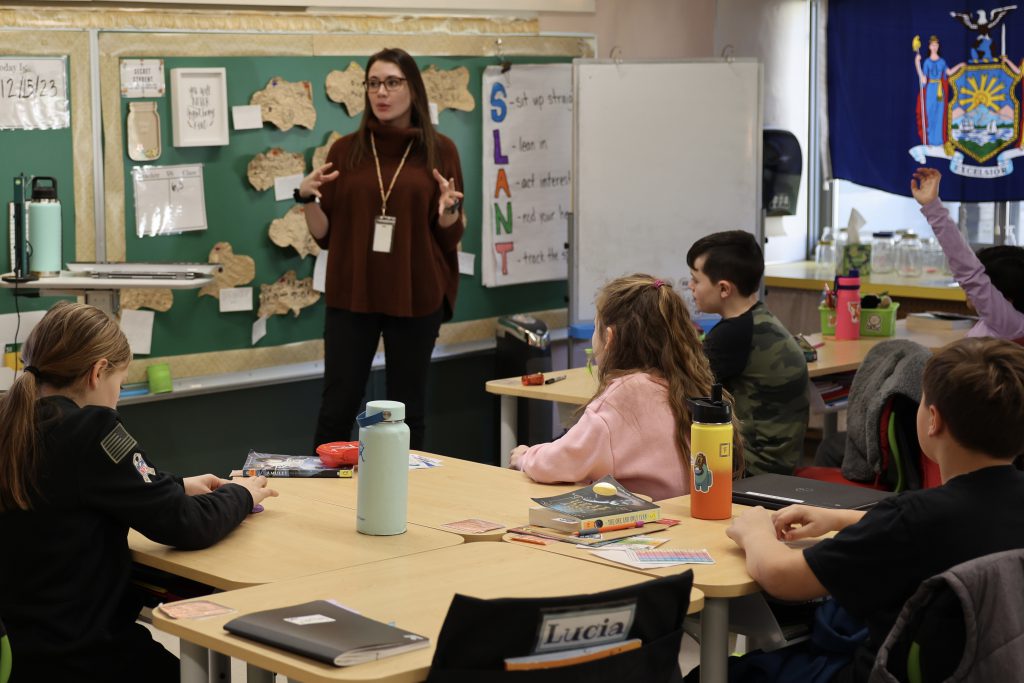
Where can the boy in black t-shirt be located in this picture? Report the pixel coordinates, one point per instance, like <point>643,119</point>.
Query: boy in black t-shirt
<point>971,423</point>
<point>751,353</point>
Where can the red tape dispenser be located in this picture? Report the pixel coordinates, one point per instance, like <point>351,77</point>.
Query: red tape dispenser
<point>534,379</point>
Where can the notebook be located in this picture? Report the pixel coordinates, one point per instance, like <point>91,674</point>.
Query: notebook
<point>325,632</point>
<point>776,491</point>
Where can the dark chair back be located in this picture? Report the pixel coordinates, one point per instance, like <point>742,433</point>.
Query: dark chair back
<point>478,635</point>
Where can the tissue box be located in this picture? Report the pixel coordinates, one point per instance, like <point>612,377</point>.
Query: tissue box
<point>874,322</point>
<point>856,256</point>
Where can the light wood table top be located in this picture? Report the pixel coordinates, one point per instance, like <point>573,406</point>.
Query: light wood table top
<point>459,489</point>
<point>577,388</point>
<point>293,536</point>
<point>805,275</point>
<point>842,356</point>
<point>727,578</point>
<point>414,591</point>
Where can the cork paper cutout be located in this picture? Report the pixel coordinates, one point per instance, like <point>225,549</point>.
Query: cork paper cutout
<point>287,294</point>
<point>290,231</point>
<point>320,153</point>
<point>286,104</point>
<point>155,299</point>
<point>274,163</point>
<point>346,87</point>
<point>237,270</point>
<point>449,89</point>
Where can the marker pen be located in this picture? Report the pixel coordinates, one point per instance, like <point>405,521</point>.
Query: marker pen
<point>552,380</point>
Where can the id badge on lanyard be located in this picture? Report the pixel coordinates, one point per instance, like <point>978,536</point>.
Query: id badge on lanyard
<point>383,233</point>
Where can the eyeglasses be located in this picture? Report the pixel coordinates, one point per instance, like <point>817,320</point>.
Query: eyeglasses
<point>391,84</point>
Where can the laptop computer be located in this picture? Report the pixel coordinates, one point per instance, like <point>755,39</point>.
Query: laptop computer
<point>776,491</point>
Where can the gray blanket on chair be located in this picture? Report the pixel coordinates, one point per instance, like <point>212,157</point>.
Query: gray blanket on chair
<point>891,368</point>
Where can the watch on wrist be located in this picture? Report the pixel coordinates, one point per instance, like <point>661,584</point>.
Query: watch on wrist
<point>299,199</point>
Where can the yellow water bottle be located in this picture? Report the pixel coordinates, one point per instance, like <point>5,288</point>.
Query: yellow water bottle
<point>710,456</point>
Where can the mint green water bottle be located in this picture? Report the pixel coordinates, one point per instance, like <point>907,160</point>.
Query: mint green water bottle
<point>383,472</point>
<point>44,228</point>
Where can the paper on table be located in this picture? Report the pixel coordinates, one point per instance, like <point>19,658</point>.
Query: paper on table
<point>467,263</point>
<point>259,329</point>
<point>422,462</point>
<point>285,185</point>
<point>654,559</point>
<point>138,327</point>
<point>320,272</point>
<point>247,116</point>
<point>235,299</point>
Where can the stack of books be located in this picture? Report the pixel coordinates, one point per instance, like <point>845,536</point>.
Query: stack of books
<point>597,513</point>
<point>276,465</point>
<point>834,389</point>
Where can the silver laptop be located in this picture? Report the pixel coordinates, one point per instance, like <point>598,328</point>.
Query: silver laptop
<point>776,491</point>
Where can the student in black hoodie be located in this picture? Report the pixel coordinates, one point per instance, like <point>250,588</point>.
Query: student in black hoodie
<point>72,482</point>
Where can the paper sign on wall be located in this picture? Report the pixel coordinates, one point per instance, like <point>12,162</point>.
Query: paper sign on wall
<point>142,78</point>
<point>235,299</point>
<point>168,199</point>
<point>138,328</point>
<point>527,181</point>
<point>34,93</point>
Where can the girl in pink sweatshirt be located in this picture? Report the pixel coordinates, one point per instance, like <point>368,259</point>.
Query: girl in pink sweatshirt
<point>637,426</point>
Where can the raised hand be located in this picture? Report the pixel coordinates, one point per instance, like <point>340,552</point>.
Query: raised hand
<point>924,185</point>
<point>311,184</point>
<point>450,199</point>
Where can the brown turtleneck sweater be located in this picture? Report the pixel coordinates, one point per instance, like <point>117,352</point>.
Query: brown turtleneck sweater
<point>422,270</point>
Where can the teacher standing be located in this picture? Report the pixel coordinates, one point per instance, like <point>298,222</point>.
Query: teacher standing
<point>386,206</point>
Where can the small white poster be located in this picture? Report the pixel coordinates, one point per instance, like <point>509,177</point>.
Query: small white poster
<point>138,328</point>
<point>320,272</point>
<point>527,173</point>
<point>142,78</point>
<point>259,329</point>
<point>235,299</point>
<point>34,93</point>
<point>168,199</point>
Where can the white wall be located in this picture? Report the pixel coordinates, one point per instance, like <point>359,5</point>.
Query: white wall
<point>778,33</point>
<point>642,29</point>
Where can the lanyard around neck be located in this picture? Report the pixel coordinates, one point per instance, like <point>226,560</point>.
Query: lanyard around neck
<point>380,180</point>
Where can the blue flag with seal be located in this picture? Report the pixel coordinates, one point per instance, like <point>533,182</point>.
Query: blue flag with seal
<point>934,83</point>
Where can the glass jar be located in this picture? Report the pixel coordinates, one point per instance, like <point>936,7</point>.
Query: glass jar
<point>842,239</point>
<point>883,253</point>
<point>932,258</point>
<point>825,258</point>
<point>908,255</point>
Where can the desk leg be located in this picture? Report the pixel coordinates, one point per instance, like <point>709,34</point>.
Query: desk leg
<point>195,663</point>
<point>220,667</point>
<point>714,640</point>
<point>508,429</point>
<point>829,424</point>
<point>254,674</point>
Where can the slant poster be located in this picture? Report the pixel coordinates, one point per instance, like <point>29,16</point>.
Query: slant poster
<point>527,166</point>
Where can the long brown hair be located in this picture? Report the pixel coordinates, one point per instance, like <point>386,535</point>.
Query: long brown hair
<point>427,143</point>
<point>653,333</point>
<point>60,351</point>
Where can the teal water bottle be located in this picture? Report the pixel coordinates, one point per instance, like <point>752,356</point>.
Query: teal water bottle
<point>44,228</point>
<point>383,472</point>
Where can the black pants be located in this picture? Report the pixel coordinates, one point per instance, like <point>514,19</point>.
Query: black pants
<point>350,340</point>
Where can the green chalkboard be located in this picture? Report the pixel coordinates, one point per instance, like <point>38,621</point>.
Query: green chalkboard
<point>238,214</point>
<point>36,153</point>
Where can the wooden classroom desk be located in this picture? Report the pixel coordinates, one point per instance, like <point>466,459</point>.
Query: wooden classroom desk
<point>727,578</point>
<point>293,536</point>
<point>459,489</point>
<point>577,388</point>
<point>842,356</point>
<point>413,591</point>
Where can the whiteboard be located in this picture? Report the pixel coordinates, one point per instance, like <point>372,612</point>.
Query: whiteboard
<point>664,153</point>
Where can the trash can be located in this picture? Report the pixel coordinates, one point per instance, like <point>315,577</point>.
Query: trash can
<point>524,347</point>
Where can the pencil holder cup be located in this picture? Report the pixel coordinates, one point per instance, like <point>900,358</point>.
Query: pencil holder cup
<point>159,376</point>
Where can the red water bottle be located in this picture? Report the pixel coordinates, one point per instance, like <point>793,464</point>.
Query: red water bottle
<point>848,306</point>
